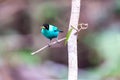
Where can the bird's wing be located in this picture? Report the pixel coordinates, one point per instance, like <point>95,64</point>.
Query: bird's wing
<point>56,29</point>
<point>53,28</point>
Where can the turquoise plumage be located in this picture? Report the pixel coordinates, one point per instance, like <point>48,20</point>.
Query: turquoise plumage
<point>50,31</point>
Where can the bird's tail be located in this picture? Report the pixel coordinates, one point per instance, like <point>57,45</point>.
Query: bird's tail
<point>61,31</point>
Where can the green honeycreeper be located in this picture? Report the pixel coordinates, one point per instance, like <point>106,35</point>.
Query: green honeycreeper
<point>50,32</point>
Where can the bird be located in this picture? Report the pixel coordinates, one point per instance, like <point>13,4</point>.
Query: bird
<point>50,32</point>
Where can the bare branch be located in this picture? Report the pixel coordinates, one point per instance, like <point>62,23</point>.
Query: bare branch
<point>74,28</point>
<point>47,46</point>
<point>82,26</point>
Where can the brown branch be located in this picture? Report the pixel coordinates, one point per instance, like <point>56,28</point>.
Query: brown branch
<point>47,46</point>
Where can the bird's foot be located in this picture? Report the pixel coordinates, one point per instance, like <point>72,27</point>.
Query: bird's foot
<point>58,41</point>
<point>49,45</point>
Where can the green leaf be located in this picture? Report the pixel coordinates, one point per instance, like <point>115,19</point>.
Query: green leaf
<point>68,35</point>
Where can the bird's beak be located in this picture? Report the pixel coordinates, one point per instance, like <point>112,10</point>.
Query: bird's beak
<point>42,27</point>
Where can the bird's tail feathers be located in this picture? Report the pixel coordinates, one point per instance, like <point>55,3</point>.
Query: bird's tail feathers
<point>61,31</point>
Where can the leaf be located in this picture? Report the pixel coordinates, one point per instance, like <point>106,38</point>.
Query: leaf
<point>68,35</point>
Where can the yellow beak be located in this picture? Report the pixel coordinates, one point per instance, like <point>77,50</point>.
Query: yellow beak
<point>42,27</point>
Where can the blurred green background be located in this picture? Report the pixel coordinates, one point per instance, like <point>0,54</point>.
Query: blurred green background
<point>98,46</point>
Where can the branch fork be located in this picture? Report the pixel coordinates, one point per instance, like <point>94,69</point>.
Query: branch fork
<point>47,46</point>
<point>82,26</point>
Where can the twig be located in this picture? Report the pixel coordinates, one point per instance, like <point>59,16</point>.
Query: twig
<point>82,26</point>
<point>74,28</point>
<point>47,46</point>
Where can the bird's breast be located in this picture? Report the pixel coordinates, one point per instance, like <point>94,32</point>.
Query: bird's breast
<point>49,33</point>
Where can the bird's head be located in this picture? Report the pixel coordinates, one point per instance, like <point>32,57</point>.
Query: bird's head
<point>45,26</point>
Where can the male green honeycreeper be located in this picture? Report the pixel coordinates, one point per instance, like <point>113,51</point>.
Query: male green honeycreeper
<point>50,32</point>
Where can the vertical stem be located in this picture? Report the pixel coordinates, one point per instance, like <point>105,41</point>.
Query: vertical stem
<point>72,42</point>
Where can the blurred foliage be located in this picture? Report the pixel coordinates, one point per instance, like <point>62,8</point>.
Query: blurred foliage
<point>27,58</point>
<point>107,43</point>
<point>98,46</point>
<point>50,12</point>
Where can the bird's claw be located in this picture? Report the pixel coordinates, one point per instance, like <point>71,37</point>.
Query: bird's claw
<point>58,41</point>
<point>49,45</point>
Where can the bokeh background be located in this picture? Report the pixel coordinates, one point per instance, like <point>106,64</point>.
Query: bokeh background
<point>98,46</point>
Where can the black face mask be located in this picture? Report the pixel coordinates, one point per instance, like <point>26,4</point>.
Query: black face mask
<point>46,26</point>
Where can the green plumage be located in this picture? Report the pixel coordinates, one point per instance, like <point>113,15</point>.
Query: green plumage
<point>50,31</point>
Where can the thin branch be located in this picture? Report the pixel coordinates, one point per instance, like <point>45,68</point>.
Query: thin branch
<point>77,31</point>
<point>47,46</point>
<point>74,28</point>
<point>82,26</point>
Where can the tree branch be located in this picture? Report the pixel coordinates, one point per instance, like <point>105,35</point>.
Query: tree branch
<point>72,42</point>
<point>47,46</point>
